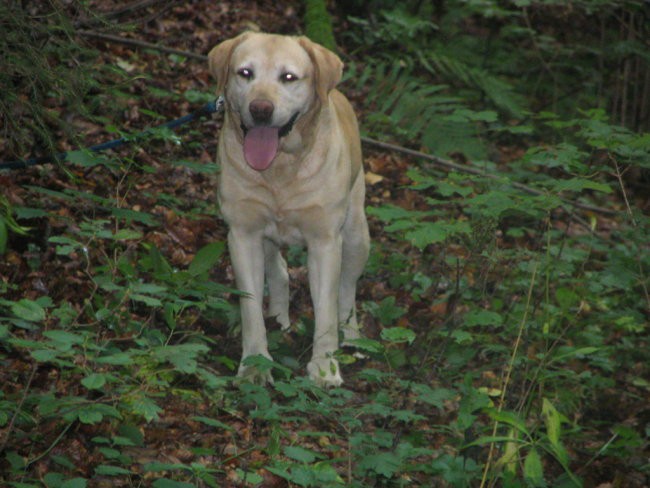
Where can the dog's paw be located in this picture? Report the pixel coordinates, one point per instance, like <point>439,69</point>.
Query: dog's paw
<point>254,374</point>
<point>325,372</point>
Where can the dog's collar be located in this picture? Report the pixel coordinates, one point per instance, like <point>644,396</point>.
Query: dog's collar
<point>284,130</point>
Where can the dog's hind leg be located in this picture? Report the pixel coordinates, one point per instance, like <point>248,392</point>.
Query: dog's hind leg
<point>356,246</point>
<point>277,276</point>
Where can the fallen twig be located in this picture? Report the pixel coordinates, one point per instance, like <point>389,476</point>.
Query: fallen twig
<point>475,171</point>
<point>143,44</point>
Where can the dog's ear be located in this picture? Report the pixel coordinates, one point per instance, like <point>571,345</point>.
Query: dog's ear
<point>219,59</point>
<point>328,67</point>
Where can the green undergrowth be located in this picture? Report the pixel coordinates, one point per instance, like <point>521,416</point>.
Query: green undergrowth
<point>502,331</point>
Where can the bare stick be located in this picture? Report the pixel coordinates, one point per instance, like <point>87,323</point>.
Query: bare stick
<point>475,171</point>
<point>141,44</point>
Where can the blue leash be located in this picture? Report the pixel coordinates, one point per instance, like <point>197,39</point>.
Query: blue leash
<point>209,108</point>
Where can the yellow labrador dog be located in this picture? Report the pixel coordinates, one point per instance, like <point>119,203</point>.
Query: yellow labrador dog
<point>291,172</point>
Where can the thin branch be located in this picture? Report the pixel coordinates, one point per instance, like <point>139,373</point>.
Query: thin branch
<point>19,407</point>
<point>475,171</point>
<point>508,372</point>
<point>142,44</point>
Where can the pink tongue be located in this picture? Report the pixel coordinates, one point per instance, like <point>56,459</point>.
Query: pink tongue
<point>260,146</point>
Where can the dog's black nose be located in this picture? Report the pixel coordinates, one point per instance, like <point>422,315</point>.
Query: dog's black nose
<point>261,111</point>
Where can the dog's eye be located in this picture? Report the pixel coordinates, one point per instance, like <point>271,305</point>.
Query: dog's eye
<point>245,73</point>
<point>288,77</point>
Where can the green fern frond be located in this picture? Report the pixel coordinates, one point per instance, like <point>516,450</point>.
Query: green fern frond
<point>406,106</point>
<point>499,92</point>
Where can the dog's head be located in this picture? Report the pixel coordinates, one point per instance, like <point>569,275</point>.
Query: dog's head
<point>270,81</point>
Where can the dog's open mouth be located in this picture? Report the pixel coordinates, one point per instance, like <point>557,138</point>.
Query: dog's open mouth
<point>261,143</point>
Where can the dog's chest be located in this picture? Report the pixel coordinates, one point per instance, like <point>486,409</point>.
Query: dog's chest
<point>282,229</point>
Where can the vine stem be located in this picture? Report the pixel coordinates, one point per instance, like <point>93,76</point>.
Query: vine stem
<point>19,407</point>
<point>52,446</point>
<point>619,176</point>
<point>508,374</point>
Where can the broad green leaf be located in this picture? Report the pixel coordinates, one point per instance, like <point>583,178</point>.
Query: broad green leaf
<point>510,454</point>
<point>390,213</point>
<point>134,216</point>
<point>45,355</point>
<point>398,335</point>
<point>384,463</point>
<point>533,470</point>
<point>146,299</point>
<point>482,317</point>
<point>551,420</point>
<point>433,396</point>
<point>566,297</point>
<point>206,258</point>
<point>94,381</point>
<point>149,288</point>
<point>386,311</point>
<point>89,415</point>
<point>106,470</point>
<point>3,236</point>
<point>579,184</point>
<point>88,159</point>
<point>63,337</point>
<point>127,234</point>
<point>427,233</point>
<point>145,406</point>
<point>182,356</point>
<point>155,466</point>
<point>368,345</point>
<point>29,310</point>
<point>63,461</point>
<point>117,359</point>
<point>74,483</point>
<point>249,477</point>
<point>489,439</point>
<point>212,423</point>
<point>511,419</point>
<point>301,454</point>
<point>110,453</point>
<point>570,352</point>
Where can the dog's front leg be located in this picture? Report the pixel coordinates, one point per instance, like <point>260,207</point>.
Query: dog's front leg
<point>247,254</point>
<point>324,262</point>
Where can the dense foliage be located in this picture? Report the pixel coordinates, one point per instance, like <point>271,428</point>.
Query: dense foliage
<point>505,304</point>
